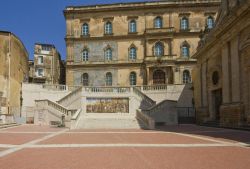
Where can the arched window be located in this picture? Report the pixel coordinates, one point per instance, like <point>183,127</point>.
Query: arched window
<point>184,23</point>
<point>185,50</point>
<point>158,49</point>
<point>85,79</point>
<point>210,22</point>
<point>132,26</point>
<point>132,53</point>
<point>158,22</point>
<point>108,28</point>
<point>108,54</point>
<point>85,55</point>
<point>132,78</point>
<point>186,77</point>
<point>108,79</point>
<point>85,29</point>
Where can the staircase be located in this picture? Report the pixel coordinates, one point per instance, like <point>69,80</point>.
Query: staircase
<point>109,122</point>
<point>144,113</point>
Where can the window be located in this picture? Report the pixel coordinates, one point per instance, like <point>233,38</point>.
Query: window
<point>186,77</point>
<point>132,26</point>
<point>46,47</point>
<point>210,22</point>
<point>85,55</point>
<point>158,49</point>
<point>132,53</point>
<point>85,29</point>
<point>132,78</point>
<point>40,60</point>
<point>108,28</point>
<point>158,22</point>
<point>185,50</point>
<point>40,72</point>
<point>85,79</point>
<point>108,54</point>
<point>108,79</point>
<point>184,23</point>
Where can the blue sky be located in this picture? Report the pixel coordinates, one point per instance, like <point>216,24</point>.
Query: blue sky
<point>40,20</point>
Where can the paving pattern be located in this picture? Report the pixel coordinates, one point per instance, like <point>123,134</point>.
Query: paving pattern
<point>171,147</point>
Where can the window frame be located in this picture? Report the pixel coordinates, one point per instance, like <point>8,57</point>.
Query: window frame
<point>158,22</point>
<point>132,55</point>
<point>159,53</point>
<point>109,79</point>
<point>85,55</point>
<point>108,30</point>
<point>131,28</point>
<point>85,79</point>
<point>132,79</point>
<point>184,27</point>
<point>186,77</point>
<point>108,54</point>
<point>85,29</point>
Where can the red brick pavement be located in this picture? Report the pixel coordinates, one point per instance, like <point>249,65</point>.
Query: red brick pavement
<point>233,157</point>
<point>18,138</point>
<point>124,138</point>
<point>129,158</point>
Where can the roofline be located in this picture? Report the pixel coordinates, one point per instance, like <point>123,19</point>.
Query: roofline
<point>8,32</point>
<point>120,6</point>
<point>47,44</point>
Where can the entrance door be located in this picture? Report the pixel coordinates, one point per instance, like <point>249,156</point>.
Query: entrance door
<point>159,77</point>
<point>217,98</point>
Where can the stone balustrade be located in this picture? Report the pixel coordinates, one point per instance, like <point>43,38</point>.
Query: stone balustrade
<point>54,87</point>
<point>107,89</point>
<point>147,120</point>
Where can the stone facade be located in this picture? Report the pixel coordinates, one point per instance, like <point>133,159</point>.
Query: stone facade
<point>150,42</point>
<point>47,66</point>
<point>221,77</point>
<point>13,71</point>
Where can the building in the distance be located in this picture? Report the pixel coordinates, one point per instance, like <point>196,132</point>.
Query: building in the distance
<point>144,43</point>
<point>222,75</point>
<point>47,67</point>
<point>13,71</point>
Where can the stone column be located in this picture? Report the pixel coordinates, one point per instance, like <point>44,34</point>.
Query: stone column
<point>225,71</point>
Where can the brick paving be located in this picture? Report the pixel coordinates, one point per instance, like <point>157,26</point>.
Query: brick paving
<point>172,147</point>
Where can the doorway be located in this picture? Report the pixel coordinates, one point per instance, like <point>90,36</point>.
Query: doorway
<point>159,77</point>
<point>217,101</point>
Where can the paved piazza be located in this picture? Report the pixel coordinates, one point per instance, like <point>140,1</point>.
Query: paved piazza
<point>172,147</point>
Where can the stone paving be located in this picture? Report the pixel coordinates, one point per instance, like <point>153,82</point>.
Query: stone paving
<point>171,147</point>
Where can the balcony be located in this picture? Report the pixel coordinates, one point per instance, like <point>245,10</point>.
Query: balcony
<point>161,59</point>
<point>160,30</point>
<point>107,62</point>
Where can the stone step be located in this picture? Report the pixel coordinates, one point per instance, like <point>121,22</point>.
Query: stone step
<point>109,123</point>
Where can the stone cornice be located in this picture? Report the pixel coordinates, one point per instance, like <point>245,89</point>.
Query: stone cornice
<point>140,6</point>
<point>134,36</point>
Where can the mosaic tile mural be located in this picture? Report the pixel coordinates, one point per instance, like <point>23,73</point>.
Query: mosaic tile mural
<point>107,105</point>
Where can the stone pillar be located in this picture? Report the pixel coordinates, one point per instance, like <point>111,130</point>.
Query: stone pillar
<point>225,71</point>
<point>235,70</point>
<point>204,84</point>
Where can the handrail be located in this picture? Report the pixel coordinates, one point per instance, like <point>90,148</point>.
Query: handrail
<point>68,95</point>
<point>149,121</point>
<point>76,114</point>
<point>56,106</point>
<point>110,89</point>
<point>143,96</point>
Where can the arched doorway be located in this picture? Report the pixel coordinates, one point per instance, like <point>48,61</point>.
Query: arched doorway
<point>159,77</point>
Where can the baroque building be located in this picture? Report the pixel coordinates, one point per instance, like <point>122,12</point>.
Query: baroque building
<point>145,43</point>
<point>13,72</point>
<point>47,66</point>
<point>222,83</point>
